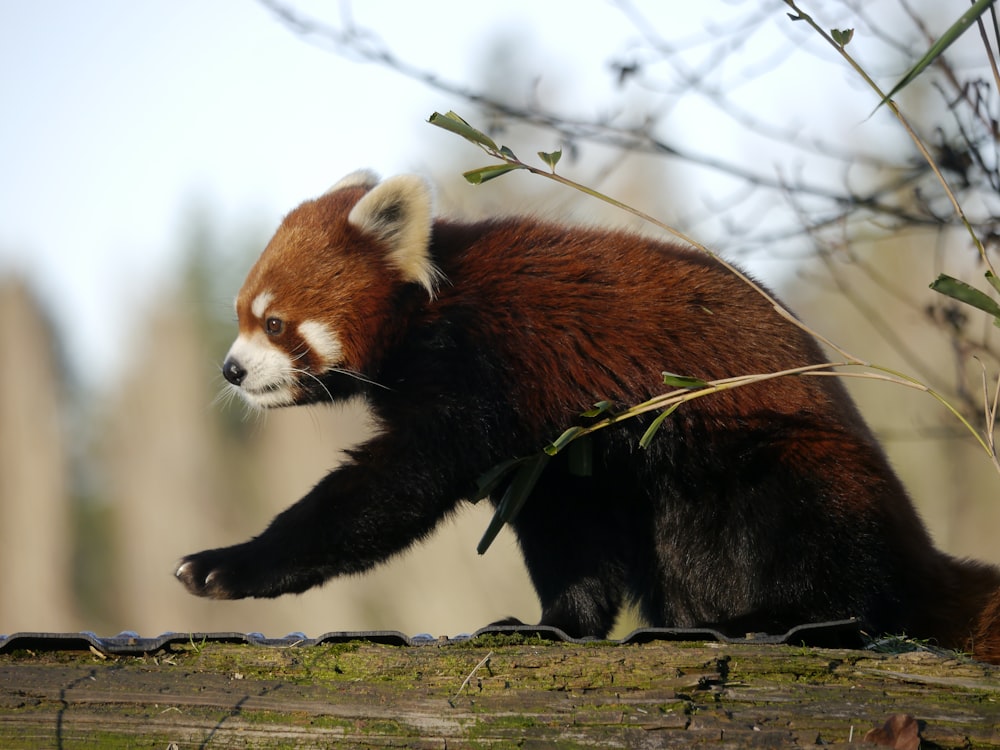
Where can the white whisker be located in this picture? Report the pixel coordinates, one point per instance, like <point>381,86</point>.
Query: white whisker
<point>229,393</point>
<point>223,399</point>
<point>299,353</point>
<point>358,376</point>
<point>329,395</point>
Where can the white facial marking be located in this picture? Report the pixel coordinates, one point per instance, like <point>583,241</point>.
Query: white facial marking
<point>260,304</point>
<point>270,378</point>
<point>322,341</point>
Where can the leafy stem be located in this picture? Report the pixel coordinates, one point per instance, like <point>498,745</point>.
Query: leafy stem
<point>841,48</point>
<point>672,399</point>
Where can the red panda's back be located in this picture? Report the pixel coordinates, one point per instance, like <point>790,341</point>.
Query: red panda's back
<point>601,315</point>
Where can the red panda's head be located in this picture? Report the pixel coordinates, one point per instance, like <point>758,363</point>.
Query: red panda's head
<point>315,300</point>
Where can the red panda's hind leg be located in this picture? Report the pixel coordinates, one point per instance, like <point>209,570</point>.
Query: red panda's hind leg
<point>577,566</point>
<point>985,643</point>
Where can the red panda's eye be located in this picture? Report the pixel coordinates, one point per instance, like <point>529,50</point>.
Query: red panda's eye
<point>274,326</point>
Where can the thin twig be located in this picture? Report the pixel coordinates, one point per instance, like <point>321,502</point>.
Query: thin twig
<point>910,131</point>
<point>465,682</point>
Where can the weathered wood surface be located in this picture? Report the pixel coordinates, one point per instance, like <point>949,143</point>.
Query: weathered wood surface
<point>527,693</point>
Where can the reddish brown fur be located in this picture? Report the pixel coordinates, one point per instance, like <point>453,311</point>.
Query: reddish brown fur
<point>570,280</point>
<point>985,642</point>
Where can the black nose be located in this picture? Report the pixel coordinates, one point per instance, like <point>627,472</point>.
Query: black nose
<point>233,371</point>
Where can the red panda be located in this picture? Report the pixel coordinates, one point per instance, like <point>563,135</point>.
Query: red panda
<point>755,509</point>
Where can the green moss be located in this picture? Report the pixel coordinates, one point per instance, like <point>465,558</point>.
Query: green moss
<point>500,727</point>
<point>529,688</point>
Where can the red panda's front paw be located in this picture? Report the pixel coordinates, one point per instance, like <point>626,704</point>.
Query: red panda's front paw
<point>252,569</point>
<point>210,574</point>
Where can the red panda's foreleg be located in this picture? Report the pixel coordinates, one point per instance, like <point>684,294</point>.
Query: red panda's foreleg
<point>359,515</point>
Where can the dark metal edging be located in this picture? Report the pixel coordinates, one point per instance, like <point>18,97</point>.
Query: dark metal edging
<point>835,634</point>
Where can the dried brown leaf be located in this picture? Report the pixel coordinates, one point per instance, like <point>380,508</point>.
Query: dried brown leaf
<point>900,731</point>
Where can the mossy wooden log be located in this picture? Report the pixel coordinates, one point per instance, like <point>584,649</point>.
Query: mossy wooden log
<point>492,692</point>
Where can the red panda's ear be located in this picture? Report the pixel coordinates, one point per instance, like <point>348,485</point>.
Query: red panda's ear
<point>365,178</point>
<point>399,213</point>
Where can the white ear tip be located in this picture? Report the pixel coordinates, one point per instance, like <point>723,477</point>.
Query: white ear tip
<point>365,178</point>
<point>399,212</point>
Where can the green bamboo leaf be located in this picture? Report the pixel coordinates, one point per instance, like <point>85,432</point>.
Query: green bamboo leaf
<point>485,174</point>
<point>937,49</point>
<point>959,290</point>
<point>496,523</point>
<point>524,482</point>
<point>551,158</point>
<point>508,153</point>
<point>489,481</point>
<point>455,124</point>
<point>580,457</point>
<point>682,381</point>
<point>842,37</point>
<point>514,498</point>
<point>562,441</point>
<point>994,281</point>
<point>599,408</point>
<point>654,427</point>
